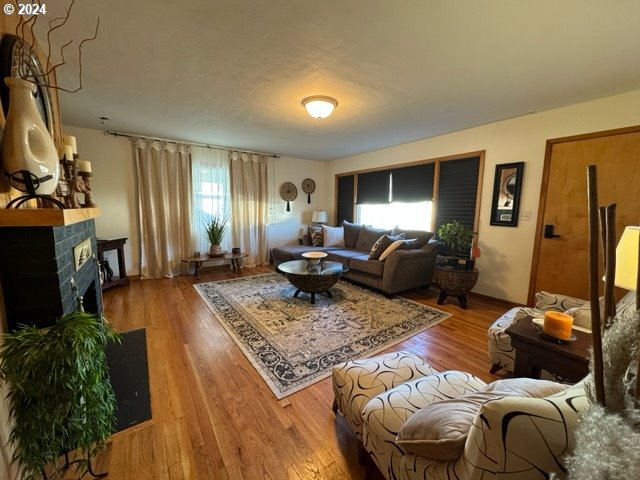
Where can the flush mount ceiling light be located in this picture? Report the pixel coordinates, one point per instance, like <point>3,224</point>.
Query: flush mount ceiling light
<point>319,106</point>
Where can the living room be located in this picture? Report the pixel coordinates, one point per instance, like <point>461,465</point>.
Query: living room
<point>541,73</point>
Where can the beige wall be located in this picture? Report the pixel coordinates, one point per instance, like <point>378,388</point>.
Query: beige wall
<point>114,191</point>
<point>507,252</point>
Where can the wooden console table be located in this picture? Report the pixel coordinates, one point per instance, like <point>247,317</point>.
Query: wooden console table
<point>533,353</point>
<point>105,245</point>
<point>235,258</point>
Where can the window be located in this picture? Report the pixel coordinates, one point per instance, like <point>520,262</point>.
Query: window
<point>409,216</point>
<point>211,196</point>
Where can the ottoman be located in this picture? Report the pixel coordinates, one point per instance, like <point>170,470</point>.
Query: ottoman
<point>358,381</point>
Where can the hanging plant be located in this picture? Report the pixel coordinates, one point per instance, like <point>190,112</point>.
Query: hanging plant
<point>60,396</point>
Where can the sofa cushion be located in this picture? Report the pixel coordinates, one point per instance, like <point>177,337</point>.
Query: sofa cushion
<point>418,238</point>
<point>315,232</point>
<point>525,387</point>
<point>381,245</point>
<point>368,236</point>
<point>294,252</point>
<point>363,264</point>
<point>351,232</point>
<point>333,236</point>
<point>342,256</point>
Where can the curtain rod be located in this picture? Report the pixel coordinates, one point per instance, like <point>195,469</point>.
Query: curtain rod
<point>214,147</point>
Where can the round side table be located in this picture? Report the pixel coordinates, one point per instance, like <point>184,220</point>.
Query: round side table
<point>454,283</point>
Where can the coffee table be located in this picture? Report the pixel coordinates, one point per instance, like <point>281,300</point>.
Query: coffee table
<point>312,277</point>
<point>568,360</point>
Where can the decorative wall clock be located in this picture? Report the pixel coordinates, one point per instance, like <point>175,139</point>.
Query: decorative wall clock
<point>288,192</point>
<point>308,187</point>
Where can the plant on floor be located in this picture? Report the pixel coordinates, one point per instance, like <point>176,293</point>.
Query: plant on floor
<point>456,236</point>
<point>60,393</point>
<point>216,227</point>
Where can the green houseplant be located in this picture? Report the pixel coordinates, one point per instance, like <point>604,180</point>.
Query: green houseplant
<point>60,395</point>
<point>216,227</point>
<point>457,236</point>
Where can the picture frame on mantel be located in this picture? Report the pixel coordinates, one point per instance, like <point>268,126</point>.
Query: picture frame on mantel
<point>507,186</point>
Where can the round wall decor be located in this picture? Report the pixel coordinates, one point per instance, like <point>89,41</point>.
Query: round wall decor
<point>308,187</point>
<point>288,192</point>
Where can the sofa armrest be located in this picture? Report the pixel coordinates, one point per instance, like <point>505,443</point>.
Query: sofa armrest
<point>546,301</point>
<point>406,269</point>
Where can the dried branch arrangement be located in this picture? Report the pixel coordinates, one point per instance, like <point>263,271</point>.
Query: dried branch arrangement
<point>25,33</point>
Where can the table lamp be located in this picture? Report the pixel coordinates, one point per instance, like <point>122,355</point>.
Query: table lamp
<point>627,259</point>
<point>319,216</point>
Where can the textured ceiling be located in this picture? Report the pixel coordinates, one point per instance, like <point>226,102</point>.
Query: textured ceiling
<point>234,72</point>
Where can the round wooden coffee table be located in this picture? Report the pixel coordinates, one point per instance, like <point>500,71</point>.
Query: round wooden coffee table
<point>312,278</point>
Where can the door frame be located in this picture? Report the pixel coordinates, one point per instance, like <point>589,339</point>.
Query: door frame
<point>543,191</point>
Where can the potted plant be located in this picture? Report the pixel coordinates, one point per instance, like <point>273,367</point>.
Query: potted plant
<point>216,228</point>
<point>61,399</point>
<point>457,236</point>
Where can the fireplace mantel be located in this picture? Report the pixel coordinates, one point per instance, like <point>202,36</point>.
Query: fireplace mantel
<point>45,217</point>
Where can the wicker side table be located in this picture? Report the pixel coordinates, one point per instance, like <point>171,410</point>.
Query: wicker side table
<point>454,283</point>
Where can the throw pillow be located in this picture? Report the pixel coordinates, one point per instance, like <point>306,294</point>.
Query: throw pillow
<point>368,236</point>
<point>525,387</point>
<point>381,245</point>
<point>439,431</point>
<point>315,232</point>
<point>333,236</point>
<point>421,237</point>
<point>390,249</point>
<point>351,232</point>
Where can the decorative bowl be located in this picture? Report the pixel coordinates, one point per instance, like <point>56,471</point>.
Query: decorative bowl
<point>314,257</point>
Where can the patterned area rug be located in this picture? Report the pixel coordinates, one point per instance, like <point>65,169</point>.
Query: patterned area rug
<point>293,344</point>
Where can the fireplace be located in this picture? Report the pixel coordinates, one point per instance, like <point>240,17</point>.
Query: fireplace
<point>44,268</point>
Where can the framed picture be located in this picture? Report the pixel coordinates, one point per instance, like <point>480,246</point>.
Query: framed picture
<point>506,194</point>
<point>82,252</point>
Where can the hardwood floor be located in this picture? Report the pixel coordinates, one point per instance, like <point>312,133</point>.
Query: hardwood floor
<point>214,417</point>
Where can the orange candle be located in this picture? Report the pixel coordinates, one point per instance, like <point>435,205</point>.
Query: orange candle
<point>558,325</point>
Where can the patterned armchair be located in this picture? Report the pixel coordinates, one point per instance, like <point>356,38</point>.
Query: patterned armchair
<point>452,425</point>
<point>501,353</point>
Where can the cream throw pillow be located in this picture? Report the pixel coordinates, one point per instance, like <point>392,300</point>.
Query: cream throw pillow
<point>439,431</point>
<point>333,236</point>
<point>390,249</point>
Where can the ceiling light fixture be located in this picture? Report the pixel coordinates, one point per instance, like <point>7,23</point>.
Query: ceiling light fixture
<point>319,106</point>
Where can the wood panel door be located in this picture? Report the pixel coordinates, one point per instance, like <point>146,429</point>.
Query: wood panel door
<point>560,263</point>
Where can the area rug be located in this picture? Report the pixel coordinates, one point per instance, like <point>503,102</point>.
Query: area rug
<point>292,343</point>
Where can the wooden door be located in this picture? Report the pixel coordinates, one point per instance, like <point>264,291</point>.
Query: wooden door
<point>560,264</point>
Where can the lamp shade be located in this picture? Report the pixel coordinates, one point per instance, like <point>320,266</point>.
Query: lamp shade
<point>319,106</point>
<point>319,216</point>
<point>627,259</point>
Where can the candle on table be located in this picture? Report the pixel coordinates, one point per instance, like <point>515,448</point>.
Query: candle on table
<point>84,166</point>
<point>71,141</point>
<point>558,325</point>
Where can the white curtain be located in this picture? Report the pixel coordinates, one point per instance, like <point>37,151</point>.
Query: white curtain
<point>164,206</point>
<point>211,193</point>
<point>249,200</point>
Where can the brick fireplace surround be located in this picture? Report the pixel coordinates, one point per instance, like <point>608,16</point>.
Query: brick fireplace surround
<point>37,265</point>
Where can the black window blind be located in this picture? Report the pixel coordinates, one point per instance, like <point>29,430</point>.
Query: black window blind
<point>345,199</point>
<point>373,187</point>
<point>413,184</point>
<point>457,191</point>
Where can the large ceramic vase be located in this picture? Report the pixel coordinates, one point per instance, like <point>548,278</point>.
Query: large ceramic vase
<point>27,143</point>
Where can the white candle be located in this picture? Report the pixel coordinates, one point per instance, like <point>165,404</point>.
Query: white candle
<point>84,166</point>
<point>71,141</point>
<point>65,152</point>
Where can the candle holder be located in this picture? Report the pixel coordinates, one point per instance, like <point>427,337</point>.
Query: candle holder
<point>88,195</point>
<point>71,174</point>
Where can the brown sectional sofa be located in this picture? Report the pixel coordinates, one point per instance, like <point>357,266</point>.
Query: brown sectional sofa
<point>404,269</point>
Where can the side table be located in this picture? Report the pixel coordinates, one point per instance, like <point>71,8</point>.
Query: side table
<point>105,245</point>
<point>533,353</point>
<point>454,283</point>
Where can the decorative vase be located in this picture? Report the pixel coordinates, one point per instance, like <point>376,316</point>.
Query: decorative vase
<point>215,250</point>
<point>27,145</point>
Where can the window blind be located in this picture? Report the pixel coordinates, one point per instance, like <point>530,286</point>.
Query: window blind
<point>413,184</point>
<point>344,210</point>
<point>457,191</point>
<point>373,187</point>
